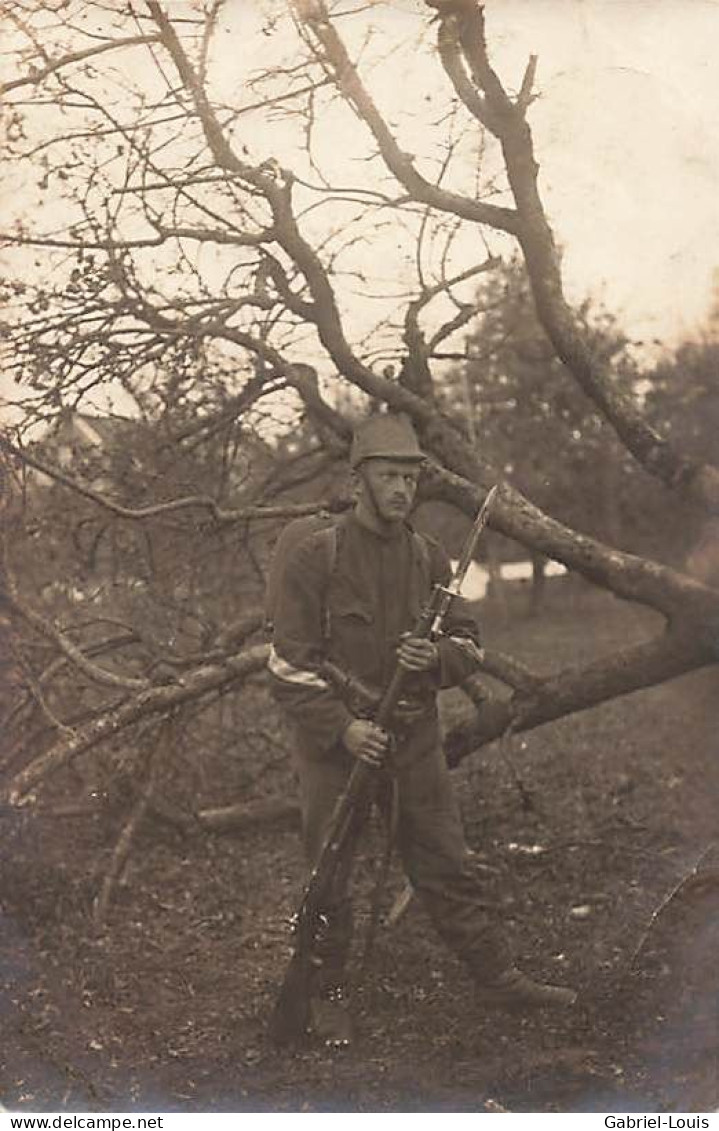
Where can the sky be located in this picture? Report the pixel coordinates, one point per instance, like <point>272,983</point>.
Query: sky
<point>625,133</point>
<point>627,139</point>
<point>629,147</point>
<point>624,125</point>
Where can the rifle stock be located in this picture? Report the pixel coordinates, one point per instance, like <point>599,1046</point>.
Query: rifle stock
<point>290,1016</point>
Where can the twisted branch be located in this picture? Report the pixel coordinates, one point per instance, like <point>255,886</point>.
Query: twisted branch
<point>462,44</point>
<point>155,700</point>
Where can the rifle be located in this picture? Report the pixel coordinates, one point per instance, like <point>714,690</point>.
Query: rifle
<point>290,1015</point>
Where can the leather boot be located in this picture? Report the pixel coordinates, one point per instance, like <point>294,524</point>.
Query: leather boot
<point>330,1020</point>
<point>515,990</point>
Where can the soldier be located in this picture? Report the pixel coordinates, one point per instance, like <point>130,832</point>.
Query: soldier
<point>355,607</point>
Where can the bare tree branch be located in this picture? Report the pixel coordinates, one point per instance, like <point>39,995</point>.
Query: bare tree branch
<point>156,700</point>
<point>525,96</point>
<point>38,75</point>
<point>202,235</point>
<point>137,514</point>
<point>579,688</point>
<point>313,15</point>
<point>417,375</point>
<point>509,670</point>
<point>461,39</point>
<point>74,654</point>
<point>123,847</point>
<point>627,575</point>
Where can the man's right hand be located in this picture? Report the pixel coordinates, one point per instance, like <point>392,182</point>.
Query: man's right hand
<point>367,741</point>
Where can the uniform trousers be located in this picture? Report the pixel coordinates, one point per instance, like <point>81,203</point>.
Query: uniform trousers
<point>431,845</point>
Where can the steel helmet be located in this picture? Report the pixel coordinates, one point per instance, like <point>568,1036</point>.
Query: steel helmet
<point>389,436</point>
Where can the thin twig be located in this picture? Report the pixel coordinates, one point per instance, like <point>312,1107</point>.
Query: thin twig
<point>123,847</point>
<point>71,651</point>
<point>242,514</point>
<point>688,878</point>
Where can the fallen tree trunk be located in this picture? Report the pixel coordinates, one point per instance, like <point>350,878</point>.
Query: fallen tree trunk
<point>153,701</point>
<point>576,689</point>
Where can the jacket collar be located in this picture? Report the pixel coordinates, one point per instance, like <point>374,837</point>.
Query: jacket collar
<point>393,534</point>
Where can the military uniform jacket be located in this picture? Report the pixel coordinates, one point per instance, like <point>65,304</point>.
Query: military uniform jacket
<point>355,617</point>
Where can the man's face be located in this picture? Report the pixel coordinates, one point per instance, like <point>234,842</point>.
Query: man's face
<point>393,484</point>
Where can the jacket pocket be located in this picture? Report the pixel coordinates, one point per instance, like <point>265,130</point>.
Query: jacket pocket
<point>350,608</point>
<point>352,636</point>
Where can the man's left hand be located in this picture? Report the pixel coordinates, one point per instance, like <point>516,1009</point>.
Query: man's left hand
<point>417,654</point>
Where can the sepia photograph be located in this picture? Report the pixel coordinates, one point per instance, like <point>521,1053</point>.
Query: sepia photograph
<point>359,558</point>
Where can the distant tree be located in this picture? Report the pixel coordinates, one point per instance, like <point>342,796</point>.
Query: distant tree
<point>683,395</point>
<point>683,400</point>
<point>509,389</point>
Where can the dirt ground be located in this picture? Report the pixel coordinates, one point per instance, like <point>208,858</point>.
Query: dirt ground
<point>602,831</point>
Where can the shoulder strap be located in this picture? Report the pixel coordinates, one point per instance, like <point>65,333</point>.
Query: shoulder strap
<point>331,539</point>
<point>321,524</point>
<point>422,548</point>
